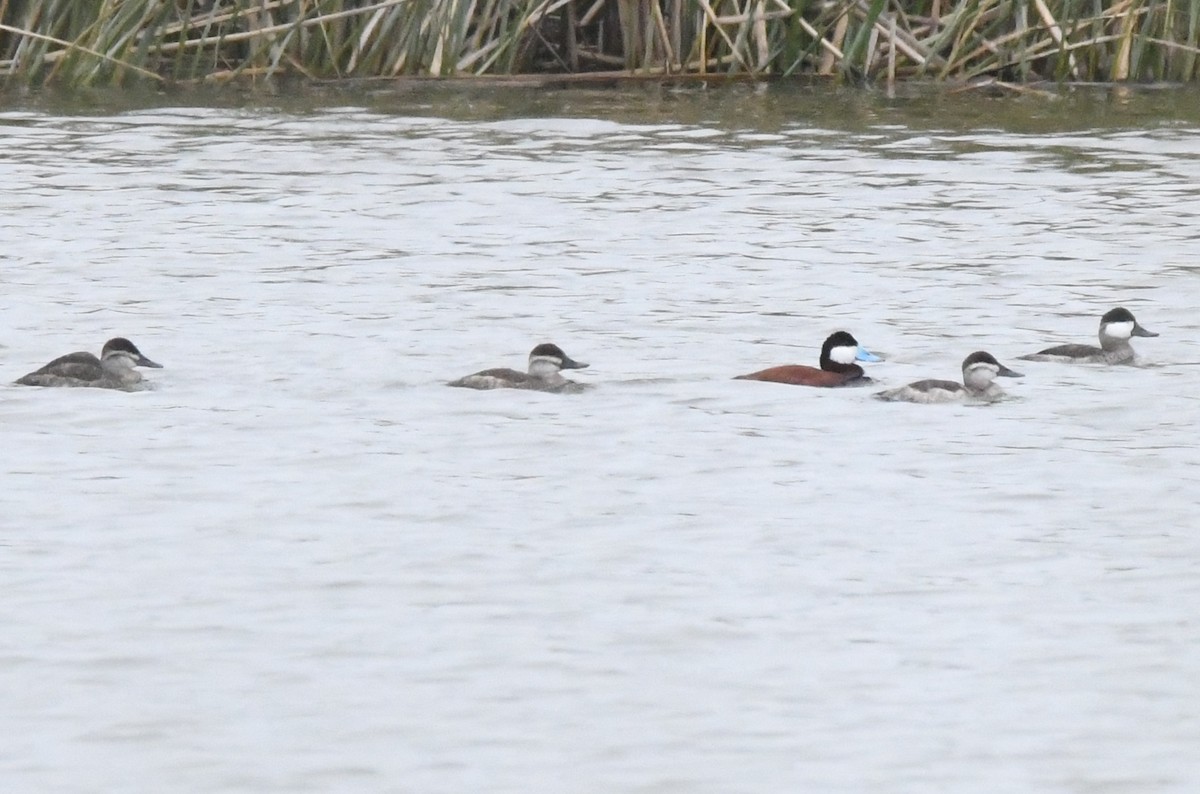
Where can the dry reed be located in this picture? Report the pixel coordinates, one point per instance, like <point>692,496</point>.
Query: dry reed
<point>102,42</point>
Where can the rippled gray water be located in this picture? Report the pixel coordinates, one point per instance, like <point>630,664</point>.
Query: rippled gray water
<point>304,564</point>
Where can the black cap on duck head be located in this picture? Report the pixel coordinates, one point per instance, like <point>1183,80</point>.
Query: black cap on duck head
<point>982,357</point>
<point>554,353</point>
<point>1117,315</point>
<point>840,348</point>
<point>120,344</point>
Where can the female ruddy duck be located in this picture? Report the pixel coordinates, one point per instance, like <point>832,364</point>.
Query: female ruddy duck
<point>979,369</point>
<point>1116,327</point>
<point>838,355</point>
<point>545,361</point>
<point>113,370</point>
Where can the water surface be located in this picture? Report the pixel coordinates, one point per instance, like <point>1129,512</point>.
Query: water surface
<point>301,563</point>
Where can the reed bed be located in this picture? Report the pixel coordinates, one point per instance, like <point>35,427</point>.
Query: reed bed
<point>106,42</point>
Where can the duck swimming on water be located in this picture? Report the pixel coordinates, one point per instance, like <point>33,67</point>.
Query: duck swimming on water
<point>1116,328</point>
<point>545,364</point>
<point>838,355</point>
<point>979,370</point>
<point>113,370</point>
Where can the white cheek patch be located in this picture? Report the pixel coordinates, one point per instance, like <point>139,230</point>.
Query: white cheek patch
<point>545,364</point>
<point>982,371</point>
<point>1119,330</point>
<point>844,355</point>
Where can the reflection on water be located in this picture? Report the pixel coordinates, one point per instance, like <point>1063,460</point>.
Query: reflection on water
<point>303,563</point>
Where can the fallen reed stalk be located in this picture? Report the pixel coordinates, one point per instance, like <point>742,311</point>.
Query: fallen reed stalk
<point>116,41</point>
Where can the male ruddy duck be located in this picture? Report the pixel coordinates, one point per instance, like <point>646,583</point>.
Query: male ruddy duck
<point>545,361</point>
<point>113,370</point>
<point>1116,327</point>
<point>838,355</point>
<point>979,369</point>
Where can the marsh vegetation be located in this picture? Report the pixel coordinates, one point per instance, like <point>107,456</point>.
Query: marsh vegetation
<point>105,42</point>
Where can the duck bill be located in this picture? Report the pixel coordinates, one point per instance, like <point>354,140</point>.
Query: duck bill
<point>1008,373</point>
<point>866,355</point>
<point>145,362</point>
<point>1140,331</point>
<point>569,363</point>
